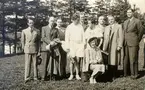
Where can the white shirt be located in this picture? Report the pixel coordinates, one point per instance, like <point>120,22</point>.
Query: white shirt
<point>96,32</point>
<point>74,33</point>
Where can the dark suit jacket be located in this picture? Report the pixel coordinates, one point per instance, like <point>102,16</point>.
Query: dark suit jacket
<point>47,36</point>
<point>133,32</point>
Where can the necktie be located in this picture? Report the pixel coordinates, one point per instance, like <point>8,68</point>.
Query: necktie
<point>110,31</point>
<point>31,30</point>
<point>127,25</point>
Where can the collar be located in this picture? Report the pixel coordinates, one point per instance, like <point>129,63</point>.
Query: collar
<point>58,27</point>
<point>49,26</point>
<point>76,25</point>
<point>131,19</point>
<point>112,25</point>
<point>31,29</point>
<point>101,26</point>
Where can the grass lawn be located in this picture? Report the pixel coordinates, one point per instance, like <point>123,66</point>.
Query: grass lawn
<point>12,78</point>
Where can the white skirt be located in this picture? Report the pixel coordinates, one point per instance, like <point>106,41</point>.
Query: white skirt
<point>76,49</point>
<point>98,67</point>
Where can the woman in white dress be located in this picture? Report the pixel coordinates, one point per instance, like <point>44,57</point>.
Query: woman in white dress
<point>101,24</point>
<point>74,40</point>
<point>101,27</point>
<point>93,31</point>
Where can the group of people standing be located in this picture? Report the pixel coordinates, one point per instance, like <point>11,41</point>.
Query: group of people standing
<point>88,47</point>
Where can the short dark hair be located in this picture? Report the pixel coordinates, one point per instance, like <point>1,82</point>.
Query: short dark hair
<point>30,18</point>
<point>75,16</point>
<point>131,10</point>
<point>97,40</point>
<point>115,17</point>
<point>110,15</point>
<point>101,16</point>
<point>54,25</point>
<point>93,20</point>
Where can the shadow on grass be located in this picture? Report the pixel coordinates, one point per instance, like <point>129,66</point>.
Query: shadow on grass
<point>141,74</point>
<point>103,78</point>
<point>107,78</point>
<point>55,77</point>
<point>11,55</point>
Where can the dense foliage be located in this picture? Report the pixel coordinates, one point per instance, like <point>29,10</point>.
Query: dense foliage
<point>14,14</point>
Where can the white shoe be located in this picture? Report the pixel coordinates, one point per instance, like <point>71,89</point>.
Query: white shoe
<point>71,77</point>
<point>94,80</point>
<point>78,77</point>
<point>91,80</point>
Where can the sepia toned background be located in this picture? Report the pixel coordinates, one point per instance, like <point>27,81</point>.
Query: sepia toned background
<point>13,19</point>
<point>14,15</point>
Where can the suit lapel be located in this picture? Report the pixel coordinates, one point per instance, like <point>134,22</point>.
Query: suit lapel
<point>33,35</point>
<point>108,32</point>
<point>47,30</point>
<point>28,33</point>
<point>113,30</point>
<point>51,32</point>
<point>131,24</point>
<point>127,25</point>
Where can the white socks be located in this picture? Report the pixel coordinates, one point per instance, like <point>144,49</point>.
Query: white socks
<point>92,80</point>
<point>71,77</point>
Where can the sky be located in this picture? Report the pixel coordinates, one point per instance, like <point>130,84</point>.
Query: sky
<point>139,3</point>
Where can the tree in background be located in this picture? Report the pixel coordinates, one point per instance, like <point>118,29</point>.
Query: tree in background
<point>14,18</point>
<point>117,8</point>
<point>14,13</point>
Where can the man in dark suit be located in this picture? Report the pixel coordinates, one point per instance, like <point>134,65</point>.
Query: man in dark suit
<point>30,45</point>
<point>46,40</point>
<point>133,31</point>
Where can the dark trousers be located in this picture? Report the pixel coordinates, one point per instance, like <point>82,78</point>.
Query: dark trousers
<point>63,61</point>
<point>45,61</point>
<point>144,56</point>
<point>131,59</point>
<point>112,71</point>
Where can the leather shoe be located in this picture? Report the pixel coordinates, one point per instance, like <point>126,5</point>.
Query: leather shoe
<point>134,77</point>
<point>36,79</point>
<point>27,80</point>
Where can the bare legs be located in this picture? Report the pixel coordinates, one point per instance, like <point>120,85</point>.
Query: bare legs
<point>74,64</point>
<point>97,70</point>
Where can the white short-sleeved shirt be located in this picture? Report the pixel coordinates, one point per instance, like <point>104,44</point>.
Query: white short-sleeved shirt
<point>96,32</point>
<point>74,40</point>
